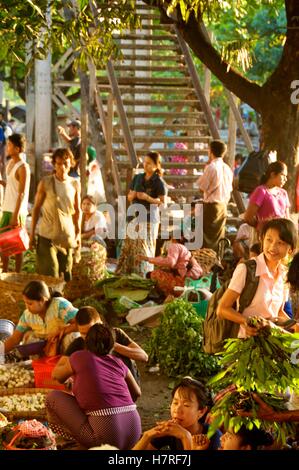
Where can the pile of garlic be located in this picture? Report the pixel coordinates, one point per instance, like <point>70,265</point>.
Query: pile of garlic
<point>15,376</point>
<point>26,402</point>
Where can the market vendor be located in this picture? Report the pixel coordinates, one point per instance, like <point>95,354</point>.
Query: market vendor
<point>46,317</point>
<point>174,267</point>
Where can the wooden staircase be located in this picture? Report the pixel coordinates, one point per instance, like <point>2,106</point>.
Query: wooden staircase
<point>158,103</point>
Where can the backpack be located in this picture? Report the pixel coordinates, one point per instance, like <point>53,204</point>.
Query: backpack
<point>252,169</point>
<point>216,330</point>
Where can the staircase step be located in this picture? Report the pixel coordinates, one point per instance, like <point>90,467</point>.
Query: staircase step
<point>156,27</point>
<point>150,16</point>
<point>157,47</point>
<point>152,68</point>
<point>145,37</point>
<point>143,7</point>
<point>169,153</point>
<point>174,127</point>
<point>159,103</point>
<point>162,114</point>
<point>153,58</point>
<point>147,80</point>
<point>183,192</point>
<point>180,178</point>
<point>168,165</point>
<point>174,139</point>
<point>139,90</point>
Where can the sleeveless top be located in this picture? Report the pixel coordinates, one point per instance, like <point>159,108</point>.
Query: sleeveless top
<point>65,191</point>
<point>12,189</point>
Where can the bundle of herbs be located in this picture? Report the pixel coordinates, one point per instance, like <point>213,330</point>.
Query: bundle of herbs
<point>260,364</point>
<point>176,344</point>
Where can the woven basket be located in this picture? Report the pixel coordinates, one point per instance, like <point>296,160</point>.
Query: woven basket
<point>91,268</point>
<point>11,288</point>
<point>13,415</point>
<point>206,258</point>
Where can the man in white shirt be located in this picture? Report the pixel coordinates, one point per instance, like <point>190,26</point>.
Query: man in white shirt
<point>216,184</point>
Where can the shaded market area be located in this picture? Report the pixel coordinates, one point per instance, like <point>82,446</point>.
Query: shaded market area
<point>149,227</point>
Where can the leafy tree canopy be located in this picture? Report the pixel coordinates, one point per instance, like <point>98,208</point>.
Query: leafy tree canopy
<point>240,27</point>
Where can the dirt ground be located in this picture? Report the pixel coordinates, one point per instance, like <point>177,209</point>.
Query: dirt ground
<point>153,405</point>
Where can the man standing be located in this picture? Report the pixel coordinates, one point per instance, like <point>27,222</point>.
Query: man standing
<point>216,184</point>
<point>16,191</point>
<point>73,139</point>
<point>58,196</point>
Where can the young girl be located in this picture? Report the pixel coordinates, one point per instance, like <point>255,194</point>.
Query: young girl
<point>45,317</point>
<point>101,409</point>
<point>175,267</point>
<point>186,429</point>
<point>279,238</point>
<point>94,225</point>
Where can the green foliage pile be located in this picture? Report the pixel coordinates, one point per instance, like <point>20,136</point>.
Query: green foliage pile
<point>91,301</point>
<point>176,344</point>
<point>260,364</point>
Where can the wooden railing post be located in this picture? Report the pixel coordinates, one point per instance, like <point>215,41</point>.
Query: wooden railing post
<point>197,86</point>
<point>122,115</point>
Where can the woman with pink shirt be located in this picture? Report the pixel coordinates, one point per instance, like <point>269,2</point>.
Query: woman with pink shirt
<point>269,200</point>
<point>279,239</point>
<point>175,267</point>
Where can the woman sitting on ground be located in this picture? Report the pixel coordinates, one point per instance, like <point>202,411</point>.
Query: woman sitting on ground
<point>101,409</point>
<point>187,429</point>
<point>175,267</point>
<point>124,347</point>
<point>46,317</point>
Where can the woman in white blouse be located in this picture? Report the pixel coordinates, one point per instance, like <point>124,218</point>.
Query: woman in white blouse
<point>94,224</point>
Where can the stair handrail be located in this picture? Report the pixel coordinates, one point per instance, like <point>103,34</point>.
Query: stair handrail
<point>122,114</point>
<point>197,86</point>
<point>103,121</point>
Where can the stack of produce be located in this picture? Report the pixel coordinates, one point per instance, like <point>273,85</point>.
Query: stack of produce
<point>26,402</point>
<point>133,286</point>
<point>15,376</point>
<point>176,344</point>
<point>261,364</point>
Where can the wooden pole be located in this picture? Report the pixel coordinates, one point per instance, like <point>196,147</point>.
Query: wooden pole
<point>43,109</point>
<point>84,82</point>
<point>207,78</point>
<point>239,120</point>
<point>232,133</point>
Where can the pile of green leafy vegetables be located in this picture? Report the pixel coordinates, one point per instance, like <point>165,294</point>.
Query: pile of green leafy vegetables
<point>176,344</point>
<point>261,364</point>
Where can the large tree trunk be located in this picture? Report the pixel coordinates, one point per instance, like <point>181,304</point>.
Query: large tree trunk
<point>280,132</point>
<point>280,116</point>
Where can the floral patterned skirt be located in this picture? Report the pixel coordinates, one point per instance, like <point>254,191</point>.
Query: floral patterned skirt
<point>132,247</point>
<point>166,280</point>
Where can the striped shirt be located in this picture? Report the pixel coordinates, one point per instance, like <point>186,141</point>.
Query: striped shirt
<point>59,313</point>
